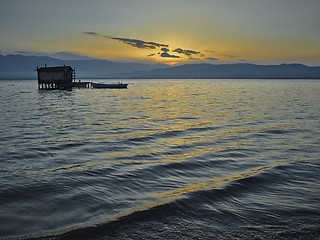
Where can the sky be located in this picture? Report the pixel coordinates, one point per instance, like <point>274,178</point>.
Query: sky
<point>166,31</point>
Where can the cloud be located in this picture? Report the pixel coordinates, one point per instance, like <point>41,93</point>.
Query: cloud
<point>92,33</point>
<point>167,55</point>
<point>212,59</point>
<point>139,43</point>
<point>154,45</point>
<point>132,42</point>
<point>220,54</point>
<point>165,49</point>
<point>185,52</point>
<point>244,61</point>
<point>57,55</point>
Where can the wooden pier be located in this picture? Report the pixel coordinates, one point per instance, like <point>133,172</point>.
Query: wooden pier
<point>81,84</point>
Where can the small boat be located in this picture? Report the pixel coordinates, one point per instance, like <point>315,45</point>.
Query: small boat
<point>109,85</point>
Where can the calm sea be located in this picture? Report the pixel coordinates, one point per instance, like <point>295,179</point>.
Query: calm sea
<point>163,159</point>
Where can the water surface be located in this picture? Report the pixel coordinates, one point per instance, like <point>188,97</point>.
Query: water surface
<point>216,159</point>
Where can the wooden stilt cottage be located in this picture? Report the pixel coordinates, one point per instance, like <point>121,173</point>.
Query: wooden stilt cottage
<point>56,77</point>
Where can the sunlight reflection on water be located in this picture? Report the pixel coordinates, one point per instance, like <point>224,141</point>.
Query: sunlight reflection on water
<point>74,158</point>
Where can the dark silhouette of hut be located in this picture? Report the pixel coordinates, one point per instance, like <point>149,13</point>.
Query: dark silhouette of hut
<point>56,77</point>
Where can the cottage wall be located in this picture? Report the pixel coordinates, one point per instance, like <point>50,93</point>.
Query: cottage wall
<point>56,77</point>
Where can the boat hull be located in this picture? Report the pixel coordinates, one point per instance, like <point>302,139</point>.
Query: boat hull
<point>109,85</point>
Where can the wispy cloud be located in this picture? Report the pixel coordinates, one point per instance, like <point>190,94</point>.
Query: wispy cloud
<point>167,55</point>
<point>139,43</point>
<point>57,55</point>
<point>129,41</point>
<point>93,34</point>
<point>209,51</point>
<point>186,52</point>
<point>212,59</point>
<point>165,50</point>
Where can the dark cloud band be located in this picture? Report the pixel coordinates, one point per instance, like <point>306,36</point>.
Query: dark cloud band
<point>132,42</point>
<point>167,55</point>
<point>186,52</point>
<point>212,59</point>
<point>92,33</point>
<point>165,49</point>
<point>139,43</point>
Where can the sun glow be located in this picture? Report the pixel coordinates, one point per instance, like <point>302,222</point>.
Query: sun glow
<point>221,32</point>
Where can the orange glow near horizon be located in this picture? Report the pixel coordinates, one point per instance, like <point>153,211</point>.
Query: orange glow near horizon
<point>222,32</point>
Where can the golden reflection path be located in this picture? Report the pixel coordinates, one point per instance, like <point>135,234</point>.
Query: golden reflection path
<point>218,182</point>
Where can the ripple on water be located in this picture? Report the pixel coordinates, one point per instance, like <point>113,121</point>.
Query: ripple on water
<point>205,156</point>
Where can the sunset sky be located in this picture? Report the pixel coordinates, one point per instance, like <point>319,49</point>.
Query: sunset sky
<point>166,31</point>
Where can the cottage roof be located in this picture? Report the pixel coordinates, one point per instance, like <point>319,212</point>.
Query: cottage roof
<point>55,69</point>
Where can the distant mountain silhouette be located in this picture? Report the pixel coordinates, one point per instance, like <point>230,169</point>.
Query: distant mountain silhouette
<point>22,67</point>
<point>229,71</point>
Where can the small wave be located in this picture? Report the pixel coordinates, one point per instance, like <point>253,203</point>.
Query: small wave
<point>99,166</point>
<point>177,202</point>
